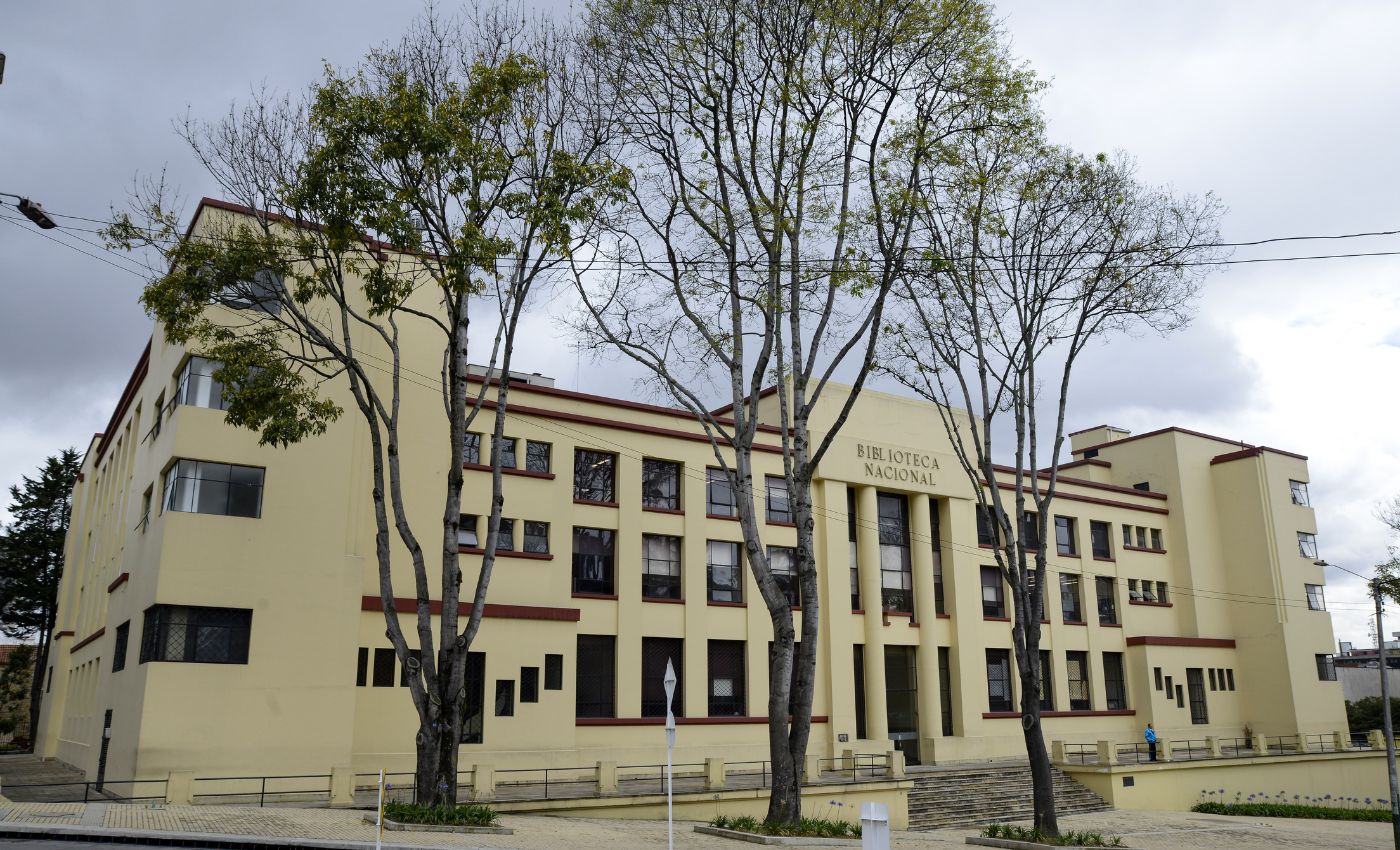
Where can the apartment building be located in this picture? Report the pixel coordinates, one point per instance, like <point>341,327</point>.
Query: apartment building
<point>220,610</point>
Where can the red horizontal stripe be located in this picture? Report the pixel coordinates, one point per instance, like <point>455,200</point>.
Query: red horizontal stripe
<point>404,605</point>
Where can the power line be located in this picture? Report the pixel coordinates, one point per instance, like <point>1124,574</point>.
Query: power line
<point>574,434</point>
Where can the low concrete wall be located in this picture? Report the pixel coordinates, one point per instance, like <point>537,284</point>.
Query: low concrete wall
<point>704,806</point>
<point>1177,786</point>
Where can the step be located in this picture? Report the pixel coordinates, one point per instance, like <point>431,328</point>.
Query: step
<point>974,796</point>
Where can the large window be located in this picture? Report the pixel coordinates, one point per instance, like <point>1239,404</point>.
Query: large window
<point>1099,540</point>
<point>723,574</point>
<point>896,571</point>
<point>595,694</point>
<point>855,555</point>
<point>593,560</point>
<point>726,679</point>
<point>119,647</point>
<point>1315,600</point>
<point>1299,491</point>
<point>999,680</point>
<point>594,476</point>
<point>466,531</point>
<point>1070,602</point>
<point>1108,605</point>
<point>1196,693</point>
<point>189,633</point>
<point>661,484</point>
<point>1064,536</point>
<point>536,537</point>
<point>471,448</point>
<point>655,653</point>
<point>1326,670</point>
<point>1307,545</point>
<point>661,566</point>
<point>782,560</point>
<point>473,726</point>
<point>225,489</point>
<point>719,494</point>
<point>508,458</point>
<point>1047,682</point>
<point>775,491</point>
<point>1077,668</point>
<point>505,535</point>
<point>262,292</point>
<point>537,456</point>
<point>505,697</point>
<point>993,597</point>
<point>939,604</point>
<point>196,385</point>
<point>986,532</point>
<point>1115,688</point>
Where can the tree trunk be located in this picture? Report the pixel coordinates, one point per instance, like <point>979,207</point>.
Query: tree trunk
<point>36,684</point>
<point>1042,779</point>
<point>435,777</point>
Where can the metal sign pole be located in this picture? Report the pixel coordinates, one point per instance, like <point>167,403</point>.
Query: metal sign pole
<point>379,814</point>
<point>670,683</point>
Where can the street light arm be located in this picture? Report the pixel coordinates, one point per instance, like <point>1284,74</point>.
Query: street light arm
<point>33,210</point>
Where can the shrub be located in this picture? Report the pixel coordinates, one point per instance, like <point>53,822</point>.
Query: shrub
<point>1069,838</point>
<point>467,815</point>
<point>810,827</point>
<point>1292,810</point>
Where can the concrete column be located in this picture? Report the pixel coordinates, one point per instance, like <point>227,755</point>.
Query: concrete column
<point>483,782</point>
<point>1057,752</point>
<point>1213,744</point>
<point>1105,752</point>
<point>1376,739</point>
<point>342,786</point>
<point>925,610</point>
<point>1261,747</point>
<point>714,774</point>
<point>894,764</point>
<point>811,768</point>
<point>179,788</point>
<point>1341,741</point>
<point>877,726</point>
<point>607,777</point>
<point>1164,749</point>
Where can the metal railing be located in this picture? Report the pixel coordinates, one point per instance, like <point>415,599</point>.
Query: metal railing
<point>1131,753</point>
<point>1234,746</point>
<point>1082,753</point>
<point>747,769</point>
<point>240,788</point>
<point>1282,744</point>
<point>643,781</point>
<point>853,769</point>
<point>539,777</point>
<point>1190,748</point>
<point>1325,743</point>
<point>108,790</point>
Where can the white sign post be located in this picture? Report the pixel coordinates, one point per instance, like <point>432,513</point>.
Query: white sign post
<point>670,682</point>
<point>379,814</point>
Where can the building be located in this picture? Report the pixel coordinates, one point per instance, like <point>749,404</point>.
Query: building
<point>220,609</point>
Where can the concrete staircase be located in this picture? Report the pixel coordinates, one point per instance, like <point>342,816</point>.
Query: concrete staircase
<point>948,797</point>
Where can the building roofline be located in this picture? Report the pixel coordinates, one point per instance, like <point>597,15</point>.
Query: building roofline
<point>1240,445</point>
<point>104,438</point>
<point>1084,482</point>
<point>1094,428</point>
<point>763,393</point>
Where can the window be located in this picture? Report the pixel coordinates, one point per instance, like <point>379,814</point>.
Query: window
<point>505,697</point>
<point>724,577</point>
<point>1299,489</point>
<point>1156,538</point>
<point>1180,702</point>
<point>362,667</point>
<point>1196,690</point>
<point>726,679</point>
<point>196,385</point>
<point>536,460</point>
<point>597,671</point>
<point>261,293</point>
<point>508,461</point>
<point>384,661</point>
<point>536,540</point>
<point>776,494</point>
<point>505,535</point>
<point>466,531</point>
<point>593,561</point>
<point>655,653</point>
<point>1141,537</point>
<point>1070,603</point>
<point>939,603</point>
<point>1307,545</point>
<point>896,568</point>
<point>1134,595</point>
<point>1212,678</point>
<point>119,647</point>
<point>146,508</point>
<point>1064,536</point>
<point>719,494</point>
<point>1326,671</point>
<point>529,684</point>
<point>1162,593</point>
<point>197,486</point>
<point>855,559</point>
<point>661,484</point>
<point>554,672</point>
<point>661,566</point>
<point>1157,677</point>
<point>202,635</point>
<point>986,529</point>
<point>1047,682</point>
<point>1077,667</point>
<point>1230,677</point>
<point>1030,530</point>
<point>1127,535</point>
<point>1315,600</point>
<point>1115,688</point>
<point>471,448</point>
<point>993,598</point>
<point>475,708</point>
<point>1169,687</point>
<point>1098,539</point>
<point>1147,593</point>
<point>1108,606</point>
<point>593,476</point>
<point>782,560</point>
<point>159,416</point>
<point>999,680</point>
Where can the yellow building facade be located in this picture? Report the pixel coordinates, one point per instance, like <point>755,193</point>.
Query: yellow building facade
<point>219,611</point>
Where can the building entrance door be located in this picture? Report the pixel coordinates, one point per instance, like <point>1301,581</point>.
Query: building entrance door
<point>902,700</point>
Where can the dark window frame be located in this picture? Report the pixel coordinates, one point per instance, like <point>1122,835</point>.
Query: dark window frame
<point>721,498</point>
<point>1115,683</point>
<point>538,456</point>
<point>659,477</point>
<point>1081,695</point>
<point>1100,539</point>
<point>162,629</point>
<point>993,603</point>
<point>186,480</point>
<point>661,576</point>
<point>655,651</point>
<point>119,647</point>
<point>595,572</point>
<point>595,476</point>
<point>1065,542</point>
<point>733,590</point>
<point>999,680</point>
<point>776,500</point>
<point>595,674</point>
<point>726,661</point>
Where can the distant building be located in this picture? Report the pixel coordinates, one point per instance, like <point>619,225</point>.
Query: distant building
<point>220,610</point>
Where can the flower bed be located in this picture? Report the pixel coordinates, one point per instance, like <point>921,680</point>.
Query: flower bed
<point>1281,805</point>
<point>804,828</point>
<point>421,815</point>
<point>1032,836</point>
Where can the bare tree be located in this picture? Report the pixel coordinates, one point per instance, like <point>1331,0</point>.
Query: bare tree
<point>1033,252</point>
<point>777,150</point>
<point>444,176</point>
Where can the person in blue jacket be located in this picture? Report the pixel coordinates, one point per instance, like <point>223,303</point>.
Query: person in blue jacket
<point>1150,736</point>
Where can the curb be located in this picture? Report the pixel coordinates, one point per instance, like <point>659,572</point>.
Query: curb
<point>780,840</point>
<point>64,832</point>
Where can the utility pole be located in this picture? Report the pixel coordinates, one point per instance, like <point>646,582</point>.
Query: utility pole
<point>1385,713</point>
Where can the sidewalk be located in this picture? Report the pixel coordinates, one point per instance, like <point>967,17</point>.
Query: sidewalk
<point>325,829</point>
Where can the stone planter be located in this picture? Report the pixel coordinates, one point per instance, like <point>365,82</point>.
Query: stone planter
<point>786,840</point>
<point>1011,844</point>
<point>395,826</point>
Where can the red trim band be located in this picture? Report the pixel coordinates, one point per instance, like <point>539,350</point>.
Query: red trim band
<point>507,553</point>
<point>89,639</point>
<point>524,473</point>
<point>1165,640</point>
<point>680,721</point>
<point>118,582</point>
<point>404,605</point>
<point>1117,712</point>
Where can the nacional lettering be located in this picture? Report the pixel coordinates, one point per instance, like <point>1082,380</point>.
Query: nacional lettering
<point>888,463</point>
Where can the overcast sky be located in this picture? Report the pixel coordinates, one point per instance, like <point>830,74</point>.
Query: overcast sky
<point>1286,110</point>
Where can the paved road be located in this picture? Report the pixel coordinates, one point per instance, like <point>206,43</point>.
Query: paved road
<point>69,845</point>
<point>21,769</point>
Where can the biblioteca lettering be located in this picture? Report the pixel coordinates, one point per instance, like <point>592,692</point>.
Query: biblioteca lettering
<point>891,464</point>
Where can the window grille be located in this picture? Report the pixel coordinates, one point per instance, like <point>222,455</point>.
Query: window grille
<point>384,662</point>
<point>596,678</point>
<point>1196,690</point>
<point>1115,689</point>
<point>655,652</point>
<point>1077,668</point>
<point>726,679</point>
<point>194,634</point>
<point>999,680</point>
<point>1326,669</point>
<point>119,647</point>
